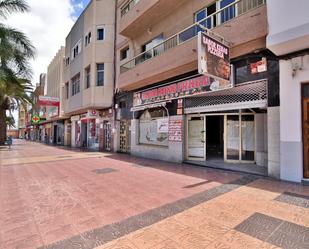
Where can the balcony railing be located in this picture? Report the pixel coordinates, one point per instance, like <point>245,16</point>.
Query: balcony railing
<point>128,6</point>
<point>221,16</point>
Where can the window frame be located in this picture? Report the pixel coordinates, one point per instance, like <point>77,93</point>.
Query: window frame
<point>98,72</point>
<point>100,28</point>
<point>75,81</point>
<point>125,49</point>
<point>87,77</point>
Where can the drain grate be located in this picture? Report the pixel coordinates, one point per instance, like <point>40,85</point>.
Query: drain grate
<point>104,170</point>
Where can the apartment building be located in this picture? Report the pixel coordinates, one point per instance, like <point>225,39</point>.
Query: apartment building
<point>168,109</point>
<point>89,77</point>
<point>22,120</point>
<point>288,38</point>
<point>52,128</point>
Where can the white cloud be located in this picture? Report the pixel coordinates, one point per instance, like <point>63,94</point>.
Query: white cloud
<point>47,25</point>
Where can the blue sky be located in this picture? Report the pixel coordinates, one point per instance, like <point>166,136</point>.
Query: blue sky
<point>79,6</point>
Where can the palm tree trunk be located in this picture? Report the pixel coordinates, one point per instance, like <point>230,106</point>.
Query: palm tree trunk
<point>2,124</point>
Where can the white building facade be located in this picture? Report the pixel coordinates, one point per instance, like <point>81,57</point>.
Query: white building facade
<point>288,38</point>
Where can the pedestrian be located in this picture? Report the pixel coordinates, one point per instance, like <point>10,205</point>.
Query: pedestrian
<point>10,142</point>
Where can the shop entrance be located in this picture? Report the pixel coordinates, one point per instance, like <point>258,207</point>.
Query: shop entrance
<point>305,104</point>
<point>84,132</point>
<point>218,137</point>
<point>107,136</point>
<point>214,137</point>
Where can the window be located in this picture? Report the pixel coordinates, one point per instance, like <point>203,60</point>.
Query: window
<point>124,53</point>
<point>122,104</point>
<point>152,44</point>
<point>87,39</point>
<point>210,22</point>
<point>153,127</point>
<point>229,12</point>
<point>76,49</point>
<point>87,77</point>
<point>67,61</point>
<point>66,90</point>
<point>100,74</point>
<point>100,34</point>
<point>75,84</point>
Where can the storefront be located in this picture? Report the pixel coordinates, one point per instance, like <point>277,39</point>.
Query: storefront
<point>228,137</point>
<point>85,130</point>
<point>122,137</point>
<point>202,120</point>
<point>58,132</point>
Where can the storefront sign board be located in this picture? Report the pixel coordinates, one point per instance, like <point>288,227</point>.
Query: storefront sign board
<point>181,89</point>
<point>213,57</point>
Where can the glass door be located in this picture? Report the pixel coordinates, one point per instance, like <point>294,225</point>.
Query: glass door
<point>232,138</point>
<point>240,138</point>
<point>196,138</point>
<point>247,138</point>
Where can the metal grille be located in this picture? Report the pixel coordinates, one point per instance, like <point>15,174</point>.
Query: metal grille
<point>123,136</point>
<point>249,95</point>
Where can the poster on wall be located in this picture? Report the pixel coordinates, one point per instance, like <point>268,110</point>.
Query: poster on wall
<point>149,133</point>
<point>213,58</point>
<point>162,125</point>
<point>175,131</point>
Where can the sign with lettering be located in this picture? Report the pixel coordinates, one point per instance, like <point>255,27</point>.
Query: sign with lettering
<point>185,88</point>
<point>213,57</point>
<point>175,131</point>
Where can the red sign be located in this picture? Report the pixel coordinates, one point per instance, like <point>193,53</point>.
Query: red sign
<point>201,84</point>
<point>259,67</point>
<point>175,131</point>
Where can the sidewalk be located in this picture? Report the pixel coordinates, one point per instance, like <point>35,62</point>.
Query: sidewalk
<point>55,198</point>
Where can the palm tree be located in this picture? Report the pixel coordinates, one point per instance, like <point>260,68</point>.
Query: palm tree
<point>15,71</point>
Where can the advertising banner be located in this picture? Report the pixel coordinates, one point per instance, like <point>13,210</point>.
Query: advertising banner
<point>49,107</point>
<point>213,57</point>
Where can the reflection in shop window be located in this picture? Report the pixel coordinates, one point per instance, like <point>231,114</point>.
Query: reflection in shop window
<point>153,127</point>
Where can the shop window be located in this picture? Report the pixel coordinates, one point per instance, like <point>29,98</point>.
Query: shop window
<point>153,127</point>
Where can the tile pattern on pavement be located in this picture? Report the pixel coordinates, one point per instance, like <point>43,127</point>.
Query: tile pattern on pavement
<point>281,233</point>
<point>295,199</point>
<point>232,220</point>
<point>107,233</point>
<point>60,200</point>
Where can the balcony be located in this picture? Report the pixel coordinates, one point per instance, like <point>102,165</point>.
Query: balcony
<point>138,15</point>
<point>242,23</point>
